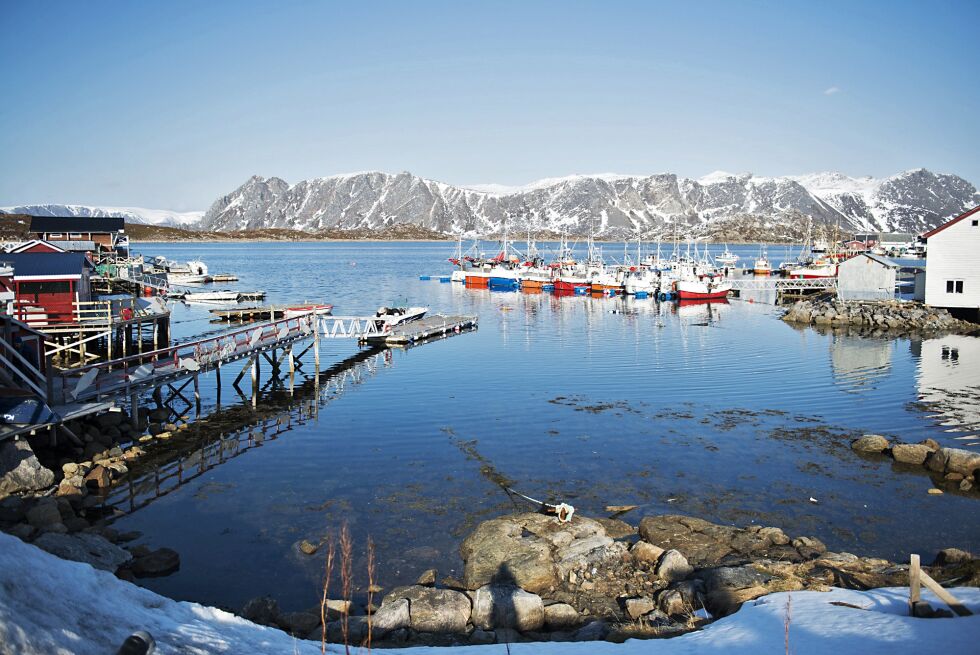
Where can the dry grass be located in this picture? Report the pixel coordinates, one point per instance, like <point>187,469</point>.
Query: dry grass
<point>328,566</point>
<point>787,620</point>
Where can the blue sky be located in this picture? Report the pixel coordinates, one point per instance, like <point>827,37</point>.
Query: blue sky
<point>172,104</point>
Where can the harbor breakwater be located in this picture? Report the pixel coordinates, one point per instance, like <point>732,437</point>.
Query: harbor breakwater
<point>884,316</point>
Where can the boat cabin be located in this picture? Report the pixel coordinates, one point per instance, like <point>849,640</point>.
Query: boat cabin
<point>78,234</point>
<point>47,285</point>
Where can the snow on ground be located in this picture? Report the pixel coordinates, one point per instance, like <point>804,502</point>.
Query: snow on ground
<point>132,214</point>
<point>50,606</point>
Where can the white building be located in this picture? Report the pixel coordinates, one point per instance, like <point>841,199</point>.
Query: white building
<point>953,263</point>
<point>866,277</point>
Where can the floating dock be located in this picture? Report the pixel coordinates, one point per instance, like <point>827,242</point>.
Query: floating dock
<point>425,328</point>
<point>223,277</point>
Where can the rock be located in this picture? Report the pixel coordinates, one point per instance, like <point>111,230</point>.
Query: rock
<point>774,536</point>
<point>70,486</point>
<point>428,578</point>
<point>964,462</point>
<point>263,610</point>
<point>99,477</point>
<point>308,547</point>
<point>703,543</point>
<point>646,552</point>
<point>76,524</point>
<point>637,607</point>
<point>481,637</point>
<point>12,509</point>
<point>160,562</point>
<point>22,531</point>
<point>730,586</point>
<point>809,547</point>
<point>45,512</point>
<point>507,606</point>
<point>84,547</point>
<point>616,529</point>
<point>951,556</point>
<point>391,616</point>
<point>935,492</point>
<point>299,623</point>
<point>595,631</point>
<point>356,630</point>
<point>911,453</point>
<point>559,616</point>
<point>671,602</point>
<point>499,551</point>
<point>965,485</point>
<point>937,461</point>
<point>870,443</point>
<point>931,444</point>
<point>69,469</point>
<point>20,470</point>
<point>673,566</point>
<point>434,610</point>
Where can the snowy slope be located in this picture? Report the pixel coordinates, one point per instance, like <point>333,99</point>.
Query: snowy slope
<point>610,204</point>
<point>49,606</point>
<point>131,214</point>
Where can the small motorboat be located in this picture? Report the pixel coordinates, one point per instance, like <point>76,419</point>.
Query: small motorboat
<point>211,296</point>
<point>727,258</point>
<point>187,278</point>
<point>388,317</point>
<point>762,265</point>
<point>312,308</point>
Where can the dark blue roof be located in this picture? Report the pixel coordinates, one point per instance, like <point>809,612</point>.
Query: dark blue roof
<point>46,263</point>
<point>41,224</point>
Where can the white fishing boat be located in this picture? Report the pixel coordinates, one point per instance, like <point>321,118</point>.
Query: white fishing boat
<point>311,308</point>
<point>641,280</point>
<point>727,258</point>
<point>762,265</point>
<point>186,278</point>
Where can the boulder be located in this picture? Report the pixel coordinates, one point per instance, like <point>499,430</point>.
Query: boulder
<point>99,477</point>
<point>870,443</point>
<point>911,453</point>
<point>637,607</point>
<point>510,549</point>
<point>951,556</point>
<point>646,552</point>
<point>703,543</point>
<point>391,616</point>
<point>774,536</point>
<point>615,528</point>
<point>433,610</point>
<point>809,547</point>
<point>428,578</point>
<point>560,616</point>
<point>673,566</point>
<point>937,460</point>
<point>507,606</point>
<point>12,509</point>
<point>157,563</point>
<point>44,513</point>
<point>595,631</point>
<point>263,610</point>
<point>730,586</point>
<point>964,462</point>
<point>299,623</point>
<point>84,547</point>
<point>671,602</point>
<point>20,470</point>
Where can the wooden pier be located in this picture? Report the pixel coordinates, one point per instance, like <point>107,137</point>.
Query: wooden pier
<point>422,329</point>
<point>249,314</point>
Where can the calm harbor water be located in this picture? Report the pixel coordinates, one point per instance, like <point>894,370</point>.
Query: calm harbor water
<point>720,411</point>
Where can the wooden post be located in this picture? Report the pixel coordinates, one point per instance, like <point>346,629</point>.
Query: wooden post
<point>914,593</point>
<point>255,379</point>
<point>134,410</point>
<point>292,368</point>
<point>217,382</point>
<point>197,395</point>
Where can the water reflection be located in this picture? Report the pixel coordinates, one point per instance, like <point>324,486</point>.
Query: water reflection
<point>949,380</point>
<point>859,363</point>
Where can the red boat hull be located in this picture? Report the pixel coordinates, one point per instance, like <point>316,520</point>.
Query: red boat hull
<point>561,285</point>
<point>692,295</point>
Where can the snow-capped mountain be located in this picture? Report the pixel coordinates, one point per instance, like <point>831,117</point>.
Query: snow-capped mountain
<point>131,214</point>
<point>611,205</point>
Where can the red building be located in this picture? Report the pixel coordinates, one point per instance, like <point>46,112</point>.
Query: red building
<point>78,234</point>
<point>47,285</point>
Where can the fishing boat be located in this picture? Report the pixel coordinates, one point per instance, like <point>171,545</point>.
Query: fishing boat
<point>312,308</point>
<point>762,265</point>
<point>640,280</point>
<point>820,268</point>
<point>186,278</point>
<point>706,288</point>
<point>388,317</point>
<point>727,258</point>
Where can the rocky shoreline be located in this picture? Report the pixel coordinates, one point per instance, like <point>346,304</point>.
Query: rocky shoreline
<point>889,317</point>
<point>955,468</point>
<point>530,578</point>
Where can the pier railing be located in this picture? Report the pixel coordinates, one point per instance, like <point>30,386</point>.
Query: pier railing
<point>782,284</point>
<point>144,369</point>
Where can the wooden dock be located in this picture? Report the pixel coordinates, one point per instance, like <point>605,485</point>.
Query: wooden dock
<point>428,327</point>
<point>248,314</point>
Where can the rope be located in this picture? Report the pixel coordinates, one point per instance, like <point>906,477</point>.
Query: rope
<point>563,511</point>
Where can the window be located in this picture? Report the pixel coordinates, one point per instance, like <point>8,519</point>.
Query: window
<point>48,286</point>
<point>56,235</point>
<point>75,237</point>
<point>954,286</point>
<point>975,222</point>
